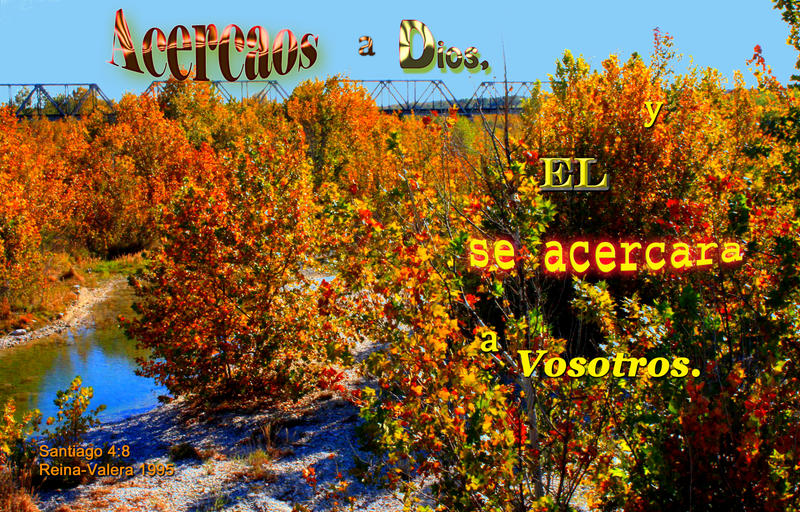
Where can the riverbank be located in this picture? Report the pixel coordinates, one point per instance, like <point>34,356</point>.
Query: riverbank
<point>263,459</point>
<point>76,315</point>
<point>226,468</point>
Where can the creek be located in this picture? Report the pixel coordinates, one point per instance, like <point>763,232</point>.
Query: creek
<point>100,353</point>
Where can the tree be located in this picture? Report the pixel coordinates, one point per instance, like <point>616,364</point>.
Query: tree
<point>225,306</point>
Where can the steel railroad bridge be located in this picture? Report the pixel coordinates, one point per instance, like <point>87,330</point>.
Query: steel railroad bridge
<point>56,101</point>
<point>404,97</point>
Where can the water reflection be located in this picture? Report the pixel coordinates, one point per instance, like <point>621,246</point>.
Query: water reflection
<point>100,354</point>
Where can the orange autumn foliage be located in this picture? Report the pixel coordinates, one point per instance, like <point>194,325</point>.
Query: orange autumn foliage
<point>226,307</point>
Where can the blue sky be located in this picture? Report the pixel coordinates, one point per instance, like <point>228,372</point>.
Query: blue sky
<point>71,41</point>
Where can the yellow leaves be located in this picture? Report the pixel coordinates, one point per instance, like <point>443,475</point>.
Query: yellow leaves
<point>474,348</point>
<point>422,255</point>
<point>468,378</point>
<point>529,189</point>
<point>439,311</point>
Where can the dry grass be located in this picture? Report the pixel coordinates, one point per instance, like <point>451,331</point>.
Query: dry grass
<point>99,492</point>
<point>263,451</point>
<point>67,508</point>
<point>101,498</point>
<point>259,467</point>
<point>211,454</point>
<point>18,501</point>
<point>14,499</point>
<point>49,292</point>
<point>159,505</point>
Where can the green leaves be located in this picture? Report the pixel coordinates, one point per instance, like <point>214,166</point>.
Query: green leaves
<point>738,215</point>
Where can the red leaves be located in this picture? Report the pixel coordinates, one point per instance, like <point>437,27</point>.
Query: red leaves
<point>366,217</point>
<point>757,58</point>
<point>310,476</point>
<point>474,205</point>
<point>531,158</point>
<point>518,425</point>
<point>331,379</point>
<point>327,293</point>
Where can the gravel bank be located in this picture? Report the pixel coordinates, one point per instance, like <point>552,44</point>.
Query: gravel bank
<point>77,315</point>
<point>319,432</point>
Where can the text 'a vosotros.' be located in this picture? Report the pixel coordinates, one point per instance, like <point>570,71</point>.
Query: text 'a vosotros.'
<point>261,59</point>
<point>618,366</point>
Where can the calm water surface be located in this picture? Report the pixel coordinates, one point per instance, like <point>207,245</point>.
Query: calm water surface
<point>100,353</point>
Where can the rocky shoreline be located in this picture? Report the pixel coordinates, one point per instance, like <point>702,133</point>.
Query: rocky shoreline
<point>318,432</point>
<point>77,315</point>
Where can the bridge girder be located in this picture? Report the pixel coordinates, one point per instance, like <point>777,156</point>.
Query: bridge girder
<point>259,90</point>
<point>41,100</point>
<point>398,96</point>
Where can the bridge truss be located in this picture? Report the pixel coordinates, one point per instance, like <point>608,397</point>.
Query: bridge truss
<point>259,90</point>
<point>57,101</point>
<point>404,97</point>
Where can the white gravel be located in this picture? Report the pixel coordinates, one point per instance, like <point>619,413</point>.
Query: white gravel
<point>319,432</point>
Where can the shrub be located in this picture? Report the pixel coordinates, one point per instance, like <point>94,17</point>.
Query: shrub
<point>19,443</point>
<point>73,419</point>
<point>493,439</point>
<point>17,449</point>
<point>224,306</point>
<point>183,451</point>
